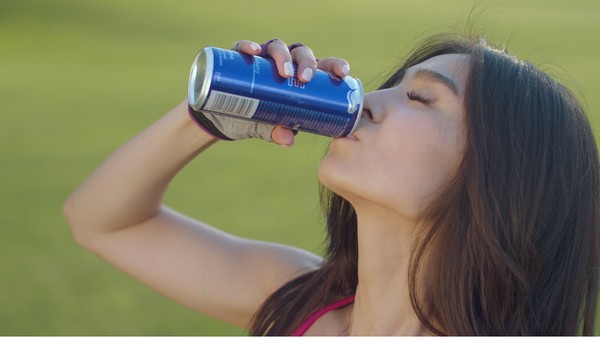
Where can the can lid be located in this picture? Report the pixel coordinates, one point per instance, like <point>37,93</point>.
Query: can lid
<point>200,78</point>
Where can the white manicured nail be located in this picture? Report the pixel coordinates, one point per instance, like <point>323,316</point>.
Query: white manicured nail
<point>307,74</point>
<point>346,69</point>
<point>288,69</point>
<point>255,47</point>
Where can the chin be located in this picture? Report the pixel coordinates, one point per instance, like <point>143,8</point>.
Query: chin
<point>324,173</point>
<point>336,178</point>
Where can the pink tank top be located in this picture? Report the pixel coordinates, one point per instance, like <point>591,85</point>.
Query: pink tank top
<point>319,313</point>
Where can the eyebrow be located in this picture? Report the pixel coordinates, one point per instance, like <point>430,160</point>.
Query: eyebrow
<point>430,75</point>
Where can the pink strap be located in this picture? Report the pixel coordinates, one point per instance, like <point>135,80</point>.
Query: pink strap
<point>319,313</point>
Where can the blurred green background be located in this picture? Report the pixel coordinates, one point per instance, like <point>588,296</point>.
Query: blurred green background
<point>78,78</point>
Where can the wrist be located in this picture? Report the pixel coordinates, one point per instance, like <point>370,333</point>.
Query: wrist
<point>206,124</point>
<point>187,128</point>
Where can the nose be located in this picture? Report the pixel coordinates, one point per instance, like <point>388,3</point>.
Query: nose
<point>371,107</point>
<point>367,113</point>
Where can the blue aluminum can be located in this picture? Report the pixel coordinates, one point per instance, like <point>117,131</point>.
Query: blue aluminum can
<point>249,87</point>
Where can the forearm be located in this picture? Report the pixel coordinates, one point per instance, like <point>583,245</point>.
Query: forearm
<point>129,186</point>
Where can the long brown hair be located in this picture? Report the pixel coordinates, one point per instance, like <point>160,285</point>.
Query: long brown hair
<point>514,236</point>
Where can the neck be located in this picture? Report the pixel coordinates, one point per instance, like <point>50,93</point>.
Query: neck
<point>382,305</point>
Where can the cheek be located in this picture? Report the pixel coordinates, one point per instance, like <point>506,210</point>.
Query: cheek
<point>430,141</point>
<point>416,164</point>
<point>397,167</point>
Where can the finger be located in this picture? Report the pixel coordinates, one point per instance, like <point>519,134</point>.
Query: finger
<point>247,46</point>
<point>282,136</point>
<point>337,66</point>
<point>307,63</point>
<point>279,52</point>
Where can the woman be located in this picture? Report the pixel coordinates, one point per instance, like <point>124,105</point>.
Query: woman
<point>466,203</point>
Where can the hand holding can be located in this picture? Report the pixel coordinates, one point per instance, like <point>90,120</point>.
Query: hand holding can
<point>266,91</point>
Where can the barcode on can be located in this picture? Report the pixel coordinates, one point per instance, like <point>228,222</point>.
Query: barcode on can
<point>237,105</point>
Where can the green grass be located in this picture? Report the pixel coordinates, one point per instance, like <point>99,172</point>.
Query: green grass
<point>78,78</point>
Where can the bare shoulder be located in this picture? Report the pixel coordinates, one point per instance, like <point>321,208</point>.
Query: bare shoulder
<point>333,323</point>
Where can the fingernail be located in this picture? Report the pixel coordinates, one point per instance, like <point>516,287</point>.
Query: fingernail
<point>307,74</point>
<point>255,47</point>
<point>288,69</point>
<point>346,69</point>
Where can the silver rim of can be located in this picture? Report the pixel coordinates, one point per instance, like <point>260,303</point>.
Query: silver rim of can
<point>361,102</point>
<point>200,78</point>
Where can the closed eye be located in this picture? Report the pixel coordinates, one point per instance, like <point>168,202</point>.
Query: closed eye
<point>412,95</point>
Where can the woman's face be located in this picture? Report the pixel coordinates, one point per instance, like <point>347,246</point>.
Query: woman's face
<point>409,142</point>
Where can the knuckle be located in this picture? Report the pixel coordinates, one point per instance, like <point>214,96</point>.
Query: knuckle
<point>312,63</point>
<point>278,43</point>
<point>307,49</point>
<point>278,49</point>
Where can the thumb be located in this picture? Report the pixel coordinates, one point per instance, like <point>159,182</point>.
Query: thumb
<point>283,136</point>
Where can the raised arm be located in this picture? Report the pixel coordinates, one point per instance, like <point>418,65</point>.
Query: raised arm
<point>118,214</point>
